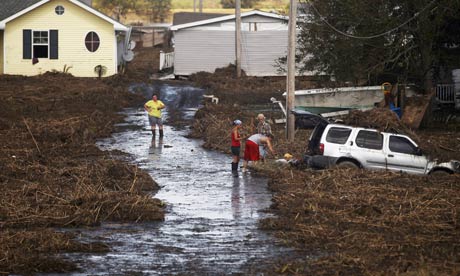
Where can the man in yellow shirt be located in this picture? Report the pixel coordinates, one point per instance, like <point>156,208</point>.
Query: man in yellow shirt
<point>154,107</point>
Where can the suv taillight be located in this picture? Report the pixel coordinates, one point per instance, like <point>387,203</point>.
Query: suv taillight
<point>321,148</point>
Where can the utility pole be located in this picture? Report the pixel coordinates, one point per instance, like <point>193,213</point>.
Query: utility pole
<point>238,37</point>
<point>201,6</point>
<point>194,5</point>
<point>290,82</point>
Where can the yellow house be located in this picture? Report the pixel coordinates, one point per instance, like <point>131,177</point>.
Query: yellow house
<point>37,36</point>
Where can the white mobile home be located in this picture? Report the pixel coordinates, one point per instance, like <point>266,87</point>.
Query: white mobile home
<point>209,44</point>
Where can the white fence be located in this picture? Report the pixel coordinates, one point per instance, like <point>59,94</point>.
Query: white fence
<point>445,93</point>
<point>166,60</point>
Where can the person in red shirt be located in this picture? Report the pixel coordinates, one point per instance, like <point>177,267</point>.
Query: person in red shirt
<point>236,144</point>
<point>251,150</point>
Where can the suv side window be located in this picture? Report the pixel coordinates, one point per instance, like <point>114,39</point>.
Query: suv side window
<point>369,140</point>
<point>338,135</point>
<point>402,145</point>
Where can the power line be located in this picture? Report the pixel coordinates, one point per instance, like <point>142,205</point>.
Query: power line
<point>372,36</point>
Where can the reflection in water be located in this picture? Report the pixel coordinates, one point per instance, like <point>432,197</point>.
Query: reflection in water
<point>156,147</point>
<point>247,197</point>
<point>236,197</point>
<point>251,195</point>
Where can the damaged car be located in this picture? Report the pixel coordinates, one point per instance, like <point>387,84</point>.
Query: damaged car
<point>334,144</point>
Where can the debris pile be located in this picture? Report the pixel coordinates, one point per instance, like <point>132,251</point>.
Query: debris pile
<point>367,223</point>
<point>382,119</point>
<point>215,122</point>
<point>53,175</point>
<point>245,90</point>
<point>416,109</point>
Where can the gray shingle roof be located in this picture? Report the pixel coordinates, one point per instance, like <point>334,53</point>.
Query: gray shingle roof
<point>10,7</point>
<point>188,17</point>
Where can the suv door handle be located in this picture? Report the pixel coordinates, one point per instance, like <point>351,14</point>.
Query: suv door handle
<point>391,155</point>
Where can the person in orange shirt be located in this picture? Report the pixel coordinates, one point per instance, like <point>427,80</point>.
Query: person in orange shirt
<point>154,107</point>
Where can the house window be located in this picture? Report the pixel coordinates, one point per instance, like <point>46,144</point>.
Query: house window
<point>92,41</point>
<point>59,10</point>
<point>40,44</point>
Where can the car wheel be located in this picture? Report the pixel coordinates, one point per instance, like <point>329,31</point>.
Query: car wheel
<point>440,173</point>
<point>347,165</point>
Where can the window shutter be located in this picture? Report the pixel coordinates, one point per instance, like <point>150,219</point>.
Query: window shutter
<point>26,44</point>
<point>53,44</point>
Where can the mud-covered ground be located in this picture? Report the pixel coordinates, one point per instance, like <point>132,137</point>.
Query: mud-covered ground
<point>51,173</point>
<point>348,222</point>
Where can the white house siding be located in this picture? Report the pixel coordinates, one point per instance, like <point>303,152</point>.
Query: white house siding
<point>202,51</point>
<point>1,52</point>
<point>206,50</point>
<point>456,80</point>
<point>261,50</point>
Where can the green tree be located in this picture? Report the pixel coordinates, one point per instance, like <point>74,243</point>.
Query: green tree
<point>117,8</point>
<point>159,9</point>
<point>375,40</point>
<point>245,4</point>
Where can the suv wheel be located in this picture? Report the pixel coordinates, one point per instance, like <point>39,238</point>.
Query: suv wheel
<point>347,165</point>
<point>440,173</point>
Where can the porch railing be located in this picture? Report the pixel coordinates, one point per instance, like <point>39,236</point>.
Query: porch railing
<point>166,60</point>
<point>445,93</point>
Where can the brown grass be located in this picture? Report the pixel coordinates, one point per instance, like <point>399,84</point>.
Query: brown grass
<point>53,175</point>
<point>368,223</point>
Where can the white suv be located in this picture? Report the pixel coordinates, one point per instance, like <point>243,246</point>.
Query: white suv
<point>347,146</point>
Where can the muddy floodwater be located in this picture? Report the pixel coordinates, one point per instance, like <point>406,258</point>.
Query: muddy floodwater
<point>210,226</point>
